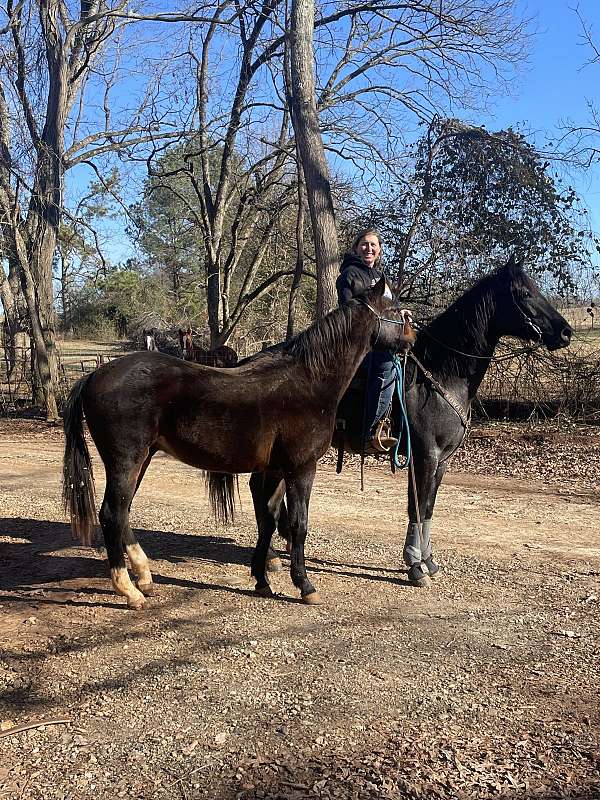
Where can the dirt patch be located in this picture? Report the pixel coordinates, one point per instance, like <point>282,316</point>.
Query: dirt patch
<point>484,686</point>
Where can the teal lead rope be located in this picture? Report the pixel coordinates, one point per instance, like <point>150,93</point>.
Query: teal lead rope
<point>399,366</point>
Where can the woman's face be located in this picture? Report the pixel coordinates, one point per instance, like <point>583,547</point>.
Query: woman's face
<point>368,249</point>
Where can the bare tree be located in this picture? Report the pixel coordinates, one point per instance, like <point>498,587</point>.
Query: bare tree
<point>374,65</point>
<point>50,52</point>
<point>582,141</point>
<point>305,120</point>
<point>421,54</point>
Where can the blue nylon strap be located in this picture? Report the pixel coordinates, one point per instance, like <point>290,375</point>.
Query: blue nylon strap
<point>404,427</point>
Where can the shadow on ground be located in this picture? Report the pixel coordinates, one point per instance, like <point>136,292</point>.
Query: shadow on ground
<point>45,552</point>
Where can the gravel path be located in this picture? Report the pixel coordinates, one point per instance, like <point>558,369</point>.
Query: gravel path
<point>485,686</point>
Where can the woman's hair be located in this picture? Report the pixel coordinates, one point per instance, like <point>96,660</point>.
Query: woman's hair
<point>366,232</point>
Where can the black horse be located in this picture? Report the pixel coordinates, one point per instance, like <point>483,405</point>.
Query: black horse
<point>272,416</point>
<point>445,369</point>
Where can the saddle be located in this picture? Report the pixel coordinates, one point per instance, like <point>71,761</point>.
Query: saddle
<point>347,435</point>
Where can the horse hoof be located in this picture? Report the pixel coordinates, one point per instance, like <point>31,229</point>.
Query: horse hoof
<point>312,599</point>
<point>136,603</point>
<point>274,565</point>
<point>417,576</point>
<point>432,567</point>
<point>422,583</point>
<point>147,589</point>
<point>263,591</point>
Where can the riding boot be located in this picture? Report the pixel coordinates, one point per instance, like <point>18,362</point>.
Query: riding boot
<point>381,440</point>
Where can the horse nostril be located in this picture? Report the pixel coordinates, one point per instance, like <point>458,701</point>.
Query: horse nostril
<point>565,334</point>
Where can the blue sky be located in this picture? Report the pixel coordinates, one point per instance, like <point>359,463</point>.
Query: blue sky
<point>556,86</point>
<point>551,90</point>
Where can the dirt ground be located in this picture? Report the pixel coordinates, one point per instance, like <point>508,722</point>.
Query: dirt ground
<point>486,685</point>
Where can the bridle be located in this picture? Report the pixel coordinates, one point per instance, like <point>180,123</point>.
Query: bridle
<point>496,359</point>
<point>380,319</point>
<point>526,318</point>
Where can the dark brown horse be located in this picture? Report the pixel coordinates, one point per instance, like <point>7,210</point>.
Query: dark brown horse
<point>223,356</point>
<point>272,416</point>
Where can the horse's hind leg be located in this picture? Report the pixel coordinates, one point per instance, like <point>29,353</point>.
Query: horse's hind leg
<point>276,506</point>
<point>137,557</point>
<point>298,488</point>
<point>114,519</point>
<point>263,488</point>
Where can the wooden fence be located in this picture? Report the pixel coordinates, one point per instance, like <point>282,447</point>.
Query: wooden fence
<point>16,389</point>
<point>540,383</point>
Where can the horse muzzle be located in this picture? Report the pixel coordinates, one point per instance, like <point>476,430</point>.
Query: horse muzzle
<point>563,339</point>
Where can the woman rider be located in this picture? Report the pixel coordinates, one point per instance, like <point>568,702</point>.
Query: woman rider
<point>360,270</point>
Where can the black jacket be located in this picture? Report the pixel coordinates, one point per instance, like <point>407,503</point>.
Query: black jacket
<point>354,278</point>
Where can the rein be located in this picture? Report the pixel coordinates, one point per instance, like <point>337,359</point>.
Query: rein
<point>400,367</point>
<point>495,359</point>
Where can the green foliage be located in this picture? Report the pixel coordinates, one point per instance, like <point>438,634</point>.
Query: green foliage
<point>476,197</point>
<point>107,306</point>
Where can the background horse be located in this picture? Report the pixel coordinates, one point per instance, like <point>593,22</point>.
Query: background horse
<point>455,351</point>
<point>223,356</point>
<point>163,341</point>
<point>149,339</point>
<point>272,416</point>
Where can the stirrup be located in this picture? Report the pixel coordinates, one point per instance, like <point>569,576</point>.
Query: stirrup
<point>382,440</point>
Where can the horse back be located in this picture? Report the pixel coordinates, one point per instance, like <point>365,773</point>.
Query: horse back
<point>236,420</point>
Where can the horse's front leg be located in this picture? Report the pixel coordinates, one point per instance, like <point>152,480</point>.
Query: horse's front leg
<point>426,550</point>
<point>426,473</point>
<point>298,489</point>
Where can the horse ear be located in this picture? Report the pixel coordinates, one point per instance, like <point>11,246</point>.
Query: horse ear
<point>379,287</point>
<point>515,264</point>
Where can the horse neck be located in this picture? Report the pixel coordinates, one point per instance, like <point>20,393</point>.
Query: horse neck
<point>461,341</point>
<point>339,363</point>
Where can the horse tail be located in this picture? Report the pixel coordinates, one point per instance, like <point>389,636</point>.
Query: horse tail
<point>222,488</point>
<point>78,479</point>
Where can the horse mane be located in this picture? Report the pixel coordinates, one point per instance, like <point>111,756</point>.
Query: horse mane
<point>463,323</point>
<point>322,343</point>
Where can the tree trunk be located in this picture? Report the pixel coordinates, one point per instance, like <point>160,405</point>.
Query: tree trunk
<point>12,323</point>
<point>299,268</point>
<point>213,299</point>
<point>305,120</point>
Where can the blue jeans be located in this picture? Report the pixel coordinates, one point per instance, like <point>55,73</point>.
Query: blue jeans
<point>378,369</point>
